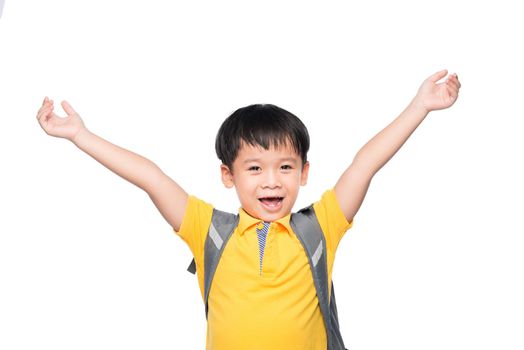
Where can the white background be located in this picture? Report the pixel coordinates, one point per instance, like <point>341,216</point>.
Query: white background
<point>434,260</point>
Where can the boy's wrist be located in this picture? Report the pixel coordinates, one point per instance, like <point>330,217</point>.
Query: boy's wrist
<point>418,106</point>
<point>76,138</point>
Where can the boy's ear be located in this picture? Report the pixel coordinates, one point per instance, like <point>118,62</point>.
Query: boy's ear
<point>305,172</point>
<point>227,176</point>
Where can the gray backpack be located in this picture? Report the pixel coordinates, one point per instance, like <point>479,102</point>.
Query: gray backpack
<point>309,233</point>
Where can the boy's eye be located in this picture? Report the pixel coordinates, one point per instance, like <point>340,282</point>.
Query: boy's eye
<point>254,168</point>
<point>286,167</point>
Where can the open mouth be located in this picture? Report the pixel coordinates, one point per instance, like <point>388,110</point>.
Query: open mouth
<point>271,202</point>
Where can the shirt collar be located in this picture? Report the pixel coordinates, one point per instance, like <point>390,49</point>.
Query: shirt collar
<point>247,221</point>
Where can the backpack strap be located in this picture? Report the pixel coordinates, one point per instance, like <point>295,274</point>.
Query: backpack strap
<point>220,230</point>
<point>309,233</point>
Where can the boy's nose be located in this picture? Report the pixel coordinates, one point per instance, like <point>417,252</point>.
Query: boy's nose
<point>271,180</point>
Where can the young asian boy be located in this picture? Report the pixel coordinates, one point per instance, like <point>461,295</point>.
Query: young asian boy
<point>262,296</point>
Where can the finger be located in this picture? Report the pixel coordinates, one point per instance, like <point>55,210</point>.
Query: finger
<point>453,92</point>
<point>45,112</point>
<point>42,108</point>
<point>67,108</point>
<point>42,113</point>
<point>453,77</point>
<point>458,81</point>
<point>38,112</point>
<point>47,102</point>
<point>438,75</point>
<point>453,82</point>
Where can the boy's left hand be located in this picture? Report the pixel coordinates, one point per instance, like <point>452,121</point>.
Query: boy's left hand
<point>432,96</point>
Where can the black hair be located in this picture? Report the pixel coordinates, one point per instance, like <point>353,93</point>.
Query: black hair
<point>263,125</point>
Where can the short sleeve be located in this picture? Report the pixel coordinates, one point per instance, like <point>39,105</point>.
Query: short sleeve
<point>195,224</point>
<point>331,219</point>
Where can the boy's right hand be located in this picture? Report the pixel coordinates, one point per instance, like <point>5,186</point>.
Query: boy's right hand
<point>53,125</point>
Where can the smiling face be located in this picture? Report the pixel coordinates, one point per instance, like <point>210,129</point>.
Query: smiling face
<point>267,181</point>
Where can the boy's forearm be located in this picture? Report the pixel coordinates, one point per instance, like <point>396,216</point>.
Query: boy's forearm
<point>134,168</point>
<point>381,148</point>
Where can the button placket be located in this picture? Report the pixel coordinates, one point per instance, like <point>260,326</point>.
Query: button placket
<point>262,232</point>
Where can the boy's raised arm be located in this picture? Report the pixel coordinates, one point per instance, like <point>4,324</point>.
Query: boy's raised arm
<point>352,186</point>
<point>167,195</point>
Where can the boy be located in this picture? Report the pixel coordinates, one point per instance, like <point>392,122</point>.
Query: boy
<point>262,294</point>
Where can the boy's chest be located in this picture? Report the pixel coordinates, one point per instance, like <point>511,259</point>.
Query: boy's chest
<point>250,262</point>
<point>241,290</point>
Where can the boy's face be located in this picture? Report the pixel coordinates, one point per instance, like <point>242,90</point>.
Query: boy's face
<point>266,181</point>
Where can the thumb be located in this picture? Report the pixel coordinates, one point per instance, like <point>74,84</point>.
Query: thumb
<point>67,108</point>
<point>437,76</point>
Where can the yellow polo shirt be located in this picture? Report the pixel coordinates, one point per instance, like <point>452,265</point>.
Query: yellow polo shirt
<point>277,309</point>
